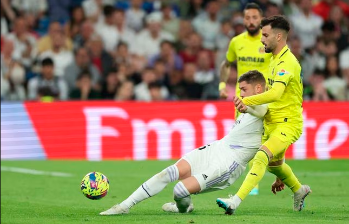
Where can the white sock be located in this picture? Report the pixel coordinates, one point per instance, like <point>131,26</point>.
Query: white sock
<point>152,186</point>
<point>182,197</point>
<point>236,200</point>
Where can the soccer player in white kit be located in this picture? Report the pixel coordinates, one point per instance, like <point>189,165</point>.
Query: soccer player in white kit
<point>211,167</point>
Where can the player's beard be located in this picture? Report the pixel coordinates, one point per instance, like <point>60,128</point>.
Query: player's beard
<point>252,31</point>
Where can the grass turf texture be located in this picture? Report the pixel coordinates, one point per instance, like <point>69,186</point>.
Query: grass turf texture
<point>27,198</point>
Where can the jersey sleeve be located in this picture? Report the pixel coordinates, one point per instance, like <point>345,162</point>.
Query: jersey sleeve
<point>269,96</point>
<point>230,55</point>
<point>283,73</point>
<point>257,110</point>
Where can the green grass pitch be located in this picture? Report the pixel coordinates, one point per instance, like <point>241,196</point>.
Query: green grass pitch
<point>28,198</point>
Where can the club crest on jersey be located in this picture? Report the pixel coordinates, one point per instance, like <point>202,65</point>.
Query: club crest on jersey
<point>262,50</point>
<point>282,72</point>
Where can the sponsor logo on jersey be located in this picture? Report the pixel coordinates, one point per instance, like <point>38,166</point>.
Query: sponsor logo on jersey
<point>251,59</point>
<point>282,72</point>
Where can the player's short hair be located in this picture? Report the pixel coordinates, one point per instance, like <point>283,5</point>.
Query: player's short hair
<point>276,22</point>
<point>252,77</point>
<point>253,6</point>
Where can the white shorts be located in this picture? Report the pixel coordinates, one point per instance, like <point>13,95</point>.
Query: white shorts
<point>214,166</point>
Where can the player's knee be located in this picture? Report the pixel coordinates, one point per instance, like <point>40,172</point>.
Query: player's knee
<point>180,191</point>
<point>267,152</point>
<point>169,174</point>
<point>261,158</point>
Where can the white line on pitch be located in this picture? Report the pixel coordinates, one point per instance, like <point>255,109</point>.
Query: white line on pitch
<point>34,172</point>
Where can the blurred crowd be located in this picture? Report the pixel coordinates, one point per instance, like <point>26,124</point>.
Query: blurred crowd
<point>149,50</point>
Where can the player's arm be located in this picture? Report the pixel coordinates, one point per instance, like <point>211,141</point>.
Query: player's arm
<point>258,110</point>
<point>269,96</point>
<point>225,68</point>
<point>281,80</point>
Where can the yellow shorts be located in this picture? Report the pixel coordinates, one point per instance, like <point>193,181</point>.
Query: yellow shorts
<point>278,137</point>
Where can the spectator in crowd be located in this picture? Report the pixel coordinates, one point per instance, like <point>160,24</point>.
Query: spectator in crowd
<point>290,7</point>
<point>323,8</point>
<point>12,75</point>
<point>238,24</point>
<point>135,15</point>
<point>107,29</point>
<point>72,27</point>
<point>272,9</point>
<point>170,21</point>
<point>142,91</point>
<point>306,24</point>
<point>110,85</point>
<point>191,89</point>
<point>223,40</point>
<point>81,63</point>
<point>155,91</point>
<point>93,10</point>
<point>204,74</point>
<point>149,40</point>
<point>161,73</point>
<point>125,33</point>
<point>100,58</point>
<point>184,32</point>
<point>84,89</point>
<point>193,9</point>
<point>122,54</point>
<point>334,83</point>
<point>47,84</point>
<point>59,54</point>
<point>169,56</point>
<point>193,46</point>
<point>208,25</point>
<point>125,92</point>
<point>24,43</point>
<point>317,91</point>
<point>45,42</point>
<point>85,33</point>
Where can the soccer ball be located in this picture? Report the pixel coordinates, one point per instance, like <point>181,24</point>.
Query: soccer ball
<point>95,185</point>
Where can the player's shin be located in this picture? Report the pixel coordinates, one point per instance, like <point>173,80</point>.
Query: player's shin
<point>182,197</point>
<point>284,172</point>
<point>254,175</point>
<point>152,186</point>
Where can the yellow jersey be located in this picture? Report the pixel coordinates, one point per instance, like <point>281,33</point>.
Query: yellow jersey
<point>249,53</point>
<point>285,68</point>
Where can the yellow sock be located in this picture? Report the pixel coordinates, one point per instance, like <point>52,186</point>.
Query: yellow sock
<point>254,175</point>
<point>250,167</point>
<point>284,172</point>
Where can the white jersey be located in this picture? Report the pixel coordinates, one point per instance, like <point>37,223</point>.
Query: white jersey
<point>246,134</point>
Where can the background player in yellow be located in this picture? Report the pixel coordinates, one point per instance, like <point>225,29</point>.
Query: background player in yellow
<point>283,122</point>
<point>249,53</point>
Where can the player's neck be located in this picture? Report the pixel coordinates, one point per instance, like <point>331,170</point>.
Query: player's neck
<point>279,48</point>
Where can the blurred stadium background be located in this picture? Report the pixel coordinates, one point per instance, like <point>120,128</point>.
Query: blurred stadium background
<point>138,80</point>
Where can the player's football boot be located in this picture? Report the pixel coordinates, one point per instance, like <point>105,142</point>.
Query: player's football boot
<point>116,210</point>
<point>227,204</point>
<point>172,207</point>
<point>299,196</point>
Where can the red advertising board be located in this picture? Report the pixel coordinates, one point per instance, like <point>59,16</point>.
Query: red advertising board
<point>167,130</point>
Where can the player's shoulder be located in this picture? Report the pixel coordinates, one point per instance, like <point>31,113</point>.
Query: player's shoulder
<point>240,37</point>
<point>288,60</point>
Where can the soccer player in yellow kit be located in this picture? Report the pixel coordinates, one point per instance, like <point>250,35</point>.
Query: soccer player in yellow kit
<point>249,53</point>
<point>283,122</point>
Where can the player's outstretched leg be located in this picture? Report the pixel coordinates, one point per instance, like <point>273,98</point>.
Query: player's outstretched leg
<point>149,188</point>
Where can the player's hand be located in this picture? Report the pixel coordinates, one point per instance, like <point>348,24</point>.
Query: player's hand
<point>277,186</point>
<point>239,105</point>
<point>223,94</point>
